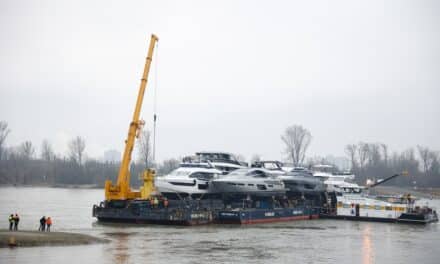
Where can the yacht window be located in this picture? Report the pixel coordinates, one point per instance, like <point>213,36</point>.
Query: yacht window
<point>202,175</point>
<point>184,183</point>
<point>241,184</point>
<point>261,187</point>
<point>250,184</point>
<point>239,172</point>
<point>270,185</point>
<point>271,166</point>
<point>309,186</point>
<point>257,173</point>
<point>203,186</point>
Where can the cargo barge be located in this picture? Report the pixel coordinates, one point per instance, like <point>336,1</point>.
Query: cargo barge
<point>202,212</point>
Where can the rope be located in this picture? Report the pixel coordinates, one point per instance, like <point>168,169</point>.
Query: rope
<point>155,103</point>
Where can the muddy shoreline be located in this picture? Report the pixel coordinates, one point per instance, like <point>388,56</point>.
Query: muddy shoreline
<point>35,239</point>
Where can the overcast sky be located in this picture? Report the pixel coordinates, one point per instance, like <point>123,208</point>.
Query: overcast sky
<point>231,75</point>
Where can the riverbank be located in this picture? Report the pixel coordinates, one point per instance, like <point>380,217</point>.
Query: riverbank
<point>35,239</point>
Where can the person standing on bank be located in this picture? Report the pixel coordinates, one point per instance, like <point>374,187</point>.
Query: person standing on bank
<point>48,223</point>
<point>11,222</point>
<point>42,224</point>
<point>16,220</point>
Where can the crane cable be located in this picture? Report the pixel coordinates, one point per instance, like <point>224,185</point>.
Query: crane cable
<point>155,102</point>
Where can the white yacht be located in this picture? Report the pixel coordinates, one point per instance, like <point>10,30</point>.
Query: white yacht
<point>223,161</point>
<point>187,181</point>
<point>336,181</point>
<point>301,180</point>
<point>330,172</point>
<point>255,181</point>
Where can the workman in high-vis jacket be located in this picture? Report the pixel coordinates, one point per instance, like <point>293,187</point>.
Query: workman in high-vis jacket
<point>11,222</point>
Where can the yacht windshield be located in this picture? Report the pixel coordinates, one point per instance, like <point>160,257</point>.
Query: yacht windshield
<point>246,172</point>
<point>272,166</point>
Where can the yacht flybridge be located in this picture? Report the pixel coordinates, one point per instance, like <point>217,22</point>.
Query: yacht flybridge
<point>223,161</point>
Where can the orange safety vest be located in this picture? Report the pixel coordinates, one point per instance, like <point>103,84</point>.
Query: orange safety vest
<point>49,221</point>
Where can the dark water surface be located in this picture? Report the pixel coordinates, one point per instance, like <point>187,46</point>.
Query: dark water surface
<point>315,241</point>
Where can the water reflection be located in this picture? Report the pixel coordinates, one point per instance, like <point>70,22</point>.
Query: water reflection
<point>367,248</point>
<point>121,254</point>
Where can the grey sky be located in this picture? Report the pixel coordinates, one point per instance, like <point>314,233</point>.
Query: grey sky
<point>232,75</point>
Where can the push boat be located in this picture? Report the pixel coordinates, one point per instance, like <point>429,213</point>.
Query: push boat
<point>359,206</point>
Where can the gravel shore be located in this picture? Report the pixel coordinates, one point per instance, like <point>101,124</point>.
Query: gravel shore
<point>35,238</point>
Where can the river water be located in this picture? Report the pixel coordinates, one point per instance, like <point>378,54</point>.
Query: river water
<point>313,241</point>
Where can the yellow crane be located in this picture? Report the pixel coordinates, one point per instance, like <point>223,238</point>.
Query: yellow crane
<point>122,190</point>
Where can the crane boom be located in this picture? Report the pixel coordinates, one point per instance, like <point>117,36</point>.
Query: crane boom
<point>122,190</point>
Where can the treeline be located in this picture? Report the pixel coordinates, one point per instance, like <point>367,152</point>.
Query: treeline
<point>65,172</point>
<point>375,161</point>
<point>22,165</point>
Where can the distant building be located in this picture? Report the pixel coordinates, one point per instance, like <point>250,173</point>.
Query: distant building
<point>112,155</point>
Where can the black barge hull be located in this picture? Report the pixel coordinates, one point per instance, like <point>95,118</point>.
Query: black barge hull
<point>140,212</point>
<point>257,216</point>
<point>409,218</point>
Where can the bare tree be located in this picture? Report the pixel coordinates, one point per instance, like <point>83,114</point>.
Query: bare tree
<point>435,164</point>
<point>255,158</point>
<point>427,157</point>
<point>144,148</point>
<point>76,149</point>
<point>384,153</point>
<point>350,150</point>
<point>26,151</point>
<point>168,165</point>
<point>47,153</point>
<point>297,140</point>
<point>4,131</point>
<point>374,157</point>
<point>362,154</point>
<point>240,157</point>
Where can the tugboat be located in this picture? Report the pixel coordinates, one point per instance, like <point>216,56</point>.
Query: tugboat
<point>350,205</point>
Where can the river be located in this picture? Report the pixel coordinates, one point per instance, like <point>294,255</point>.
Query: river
<point>314,241</point>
